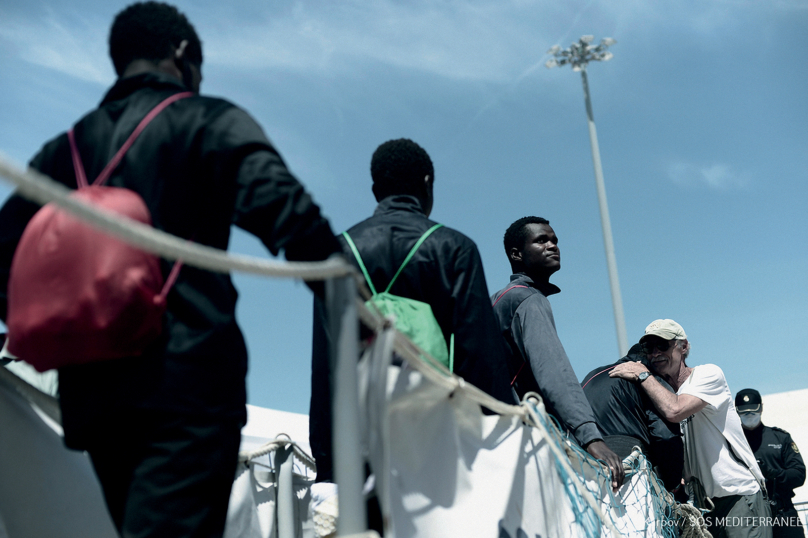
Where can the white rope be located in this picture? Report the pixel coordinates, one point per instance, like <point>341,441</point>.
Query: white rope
<point>42,189</point>
<point>691,522</point>
<point>246,455</point>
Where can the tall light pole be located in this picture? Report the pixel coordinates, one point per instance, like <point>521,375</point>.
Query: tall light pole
<point>578,56</point>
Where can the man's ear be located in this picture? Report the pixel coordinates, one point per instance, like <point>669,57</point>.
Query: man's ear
<point>515,255</point>
<point>179,52</point>
<point>176,64</point>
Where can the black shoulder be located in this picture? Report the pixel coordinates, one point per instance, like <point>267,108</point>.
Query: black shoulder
<point>780,431</point>
<point>455,237</point>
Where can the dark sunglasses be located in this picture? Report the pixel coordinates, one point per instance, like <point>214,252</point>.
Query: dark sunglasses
<point>649,346</point>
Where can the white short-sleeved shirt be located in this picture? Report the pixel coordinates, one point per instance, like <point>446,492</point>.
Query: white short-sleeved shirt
<point>706,434</point>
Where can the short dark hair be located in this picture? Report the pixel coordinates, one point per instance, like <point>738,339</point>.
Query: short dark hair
<point>399,167</point>
<point>516,234</point>
<point>151,31</point>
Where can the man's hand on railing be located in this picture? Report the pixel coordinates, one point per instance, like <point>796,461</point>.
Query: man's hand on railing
<point>599,450</point>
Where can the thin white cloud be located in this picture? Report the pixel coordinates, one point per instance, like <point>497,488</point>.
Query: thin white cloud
<point>498,41</point>
<point>484,40</point>
<point>69,45</point>
<point>487,41</point>
<point>717,176</point>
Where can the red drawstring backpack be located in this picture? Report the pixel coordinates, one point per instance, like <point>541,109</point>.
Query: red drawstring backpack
<point>78,295</point>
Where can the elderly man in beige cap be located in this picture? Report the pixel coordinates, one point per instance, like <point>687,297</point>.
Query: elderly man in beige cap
<point>720,468</point>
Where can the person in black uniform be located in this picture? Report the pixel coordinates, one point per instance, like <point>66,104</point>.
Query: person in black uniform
<point>778,458</point>
<point>627,418</point>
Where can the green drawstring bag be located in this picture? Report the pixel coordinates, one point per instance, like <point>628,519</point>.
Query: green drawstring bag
<point>412,318</point>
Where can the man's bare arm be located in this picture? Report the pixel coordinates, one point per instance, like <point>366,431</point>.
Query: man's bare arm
<point>673,407</point>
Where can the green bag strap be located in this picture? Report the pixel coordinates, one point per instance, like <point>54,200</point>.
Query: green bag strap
<point>451,353</point>
<point>411,254</point>
<point>359,260</point>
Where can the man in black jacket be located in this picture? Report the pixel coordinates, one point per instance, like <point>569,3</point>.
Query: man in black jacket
<point>537,360</point>
<point>627,418</point>
<point>163,429</point>
<point>779,460</point>
<point>446,273</point>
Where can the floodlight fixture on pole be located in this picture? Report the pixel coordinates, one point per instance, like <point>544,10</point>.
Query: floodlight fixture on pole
<point>578,56</point>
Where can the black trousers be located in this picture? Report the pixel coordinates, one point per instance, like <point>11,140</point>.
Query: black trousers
<point>787,524</point>
<point>167,475</point>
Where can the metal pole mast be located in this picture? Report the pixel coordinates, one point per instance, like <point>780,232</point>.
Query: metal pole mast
<point>579,55</point>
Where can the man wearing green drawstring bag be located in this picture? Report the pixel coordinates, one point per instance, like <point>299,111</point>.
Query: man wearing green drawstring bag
<point>443,272</point>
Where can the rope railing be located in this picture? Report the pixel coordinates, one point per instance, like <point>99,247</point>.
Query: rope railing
<point>281,440</point>
<point>42,189</point>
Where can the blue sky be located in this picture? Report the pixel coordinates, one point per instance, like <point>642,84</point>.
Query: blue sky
<point>702,120</point>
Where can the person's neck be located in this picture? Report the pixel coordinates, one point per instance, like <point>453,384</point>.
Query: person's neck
<point>541,280</point>
<point>138,67</point>
<point>678,380</point>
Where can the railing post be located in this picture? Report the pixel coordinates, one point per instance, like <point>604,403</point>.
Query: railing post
<point>284,463</point>
<point>343,323</point>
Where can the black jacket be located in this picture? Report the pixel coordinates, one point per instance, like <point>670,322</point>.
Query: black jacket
<point>446,273</point>
<point>201,165</point>
<point>622,407</point>
<point>537,360</point>
<point>780,461</point>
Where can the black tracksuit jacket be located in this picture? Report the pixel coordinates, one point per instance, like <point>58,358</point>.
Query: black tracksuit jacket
<point>201,165</point>
<point>622,407</point>
<point>781,463</point>
<point>446,273</point>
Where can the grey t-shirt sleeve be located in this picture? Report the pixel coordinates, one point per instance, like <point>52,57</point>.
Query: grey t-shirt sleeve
<point>535,334</point>
<point>587,432</point>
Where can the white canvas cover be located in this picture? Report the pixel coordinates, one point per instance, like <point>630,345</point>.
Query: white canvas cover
<point>45,489</point>
<point>457,472</point>
<point>49,490</point>
<point>443,468</point>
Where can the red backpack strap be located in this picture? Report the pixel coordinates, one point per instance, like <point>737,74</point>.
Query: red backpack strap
<point>81,177</point>
<point>172,277</point>
<point>116,160</point>
<point>78,168</point>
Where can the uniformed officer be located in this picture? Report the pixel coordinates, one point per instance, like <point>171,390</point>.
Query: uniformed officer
<point>779,460</point>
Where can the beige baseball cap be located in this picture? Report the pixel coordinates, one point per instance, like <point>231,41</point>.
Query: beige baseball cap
<point>665,328</point>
